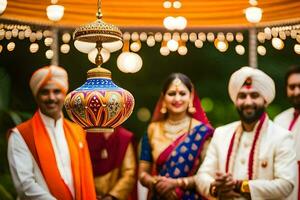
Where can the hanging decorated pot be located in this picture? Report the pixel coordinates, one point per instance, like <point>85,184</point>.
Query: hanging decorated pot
<point>99,105</point>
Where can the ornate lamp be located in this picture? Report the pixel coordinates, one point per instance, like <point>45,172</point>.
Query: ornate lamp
<point>99,105</point>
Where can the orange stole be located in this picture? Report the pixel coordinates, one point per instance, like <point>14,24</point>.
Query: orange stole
<point>36,137</point>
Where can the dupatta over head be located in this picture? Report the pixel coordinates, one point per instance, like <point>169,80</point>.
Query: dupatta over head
<point>199,114</point>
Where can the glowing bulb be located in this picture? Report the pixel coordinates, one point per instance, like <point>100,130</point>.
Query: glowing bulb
<point>181,23</point>
<point>33,48</point>
<point>11,46</point>
<point>55,12</point>
<point>253,14</point>
<point>135,46</point>
<point>164,51</point>
<point>172,45</point>
<point>198,43</point>
<point>277,43</point>
<point>65,48</point>
<point>167,4</point>
<point>66,37</point>
<point>48,41</point>
<point>182,50</point>
<point>177,4</point>
<point>158,37</point>
<point>49,54</point>
<point>143,36</point>
<point>239,49</point>
<point>222,46</point>
<point>129,62</point>
<point>150,41</point>
<point>3,4</point>
<point>170,23</point>
<point>297,48</point>
<point>261,50</point>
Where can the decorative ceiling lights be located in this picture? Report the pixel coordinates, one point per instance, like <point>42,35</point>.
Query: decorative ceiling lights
<point>174,23</point>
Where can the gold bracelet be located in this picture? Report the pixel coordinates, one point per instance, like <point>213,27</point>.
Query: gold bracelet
<point>186,182</point>
<point>213,191</point>
<point>245,187</point>
<point>179,182</point>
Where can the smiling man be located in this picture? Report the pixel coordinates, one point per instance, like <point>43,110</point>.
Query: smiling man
<point>48,155</point>
<point>251,158</point>
<point>289,118</point>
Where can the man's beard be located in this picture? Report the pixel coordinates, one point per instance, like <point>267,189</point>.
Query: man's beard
<point>295,101</point>
<point>253,116</point>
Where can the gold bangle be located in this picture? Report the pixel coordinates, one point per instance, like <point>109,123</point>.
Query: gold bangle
<point>186,182</point>
<point>179,182</point>
<point>213,191</point>
<point>245,187</point>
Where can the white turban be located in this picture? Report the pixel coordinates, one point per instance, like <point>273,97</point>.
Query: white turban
<point>260,81</point>
<point>47,74</point>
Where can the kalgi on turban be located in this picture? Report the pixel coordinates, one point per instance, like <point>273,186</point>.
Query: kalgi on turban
<point>53,74</point>
<point>259,81</point>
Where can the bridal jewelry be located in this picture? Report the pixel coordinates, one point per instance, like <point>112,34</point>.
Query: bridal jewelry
<point>172,128</point>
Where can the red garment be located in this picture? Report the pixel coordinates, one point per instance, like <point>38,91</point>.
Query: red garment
<point>115,146</point>
<point>37,139</point>
<point>295,117</point>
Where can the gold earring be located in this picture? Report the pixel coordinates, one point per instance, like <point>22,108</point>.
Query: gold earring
<point>163,109</point>
<point>191,108</point>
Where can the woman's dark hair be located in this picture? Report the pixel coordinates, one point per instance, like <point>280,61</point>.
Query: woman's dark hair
<point>294,69</point>
<point>184,79</point>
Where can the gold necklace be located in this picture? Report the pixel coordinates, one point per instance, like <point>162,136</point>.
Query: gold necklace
<point>172,128</point>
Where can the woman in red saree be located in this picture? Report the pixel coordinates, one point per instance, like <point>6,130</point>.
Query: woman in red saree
<point>175,143</point>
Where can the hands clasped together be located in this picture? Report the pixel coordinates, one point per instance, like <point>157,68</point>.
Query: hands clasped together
<point>224,186</point>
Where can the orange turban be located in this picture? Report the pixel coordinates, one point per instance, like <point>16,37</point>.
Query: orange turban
<point>54,74</point>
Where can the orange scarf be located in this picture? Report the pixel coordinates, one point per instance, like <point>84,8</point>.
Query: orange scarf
<point>37,139</point>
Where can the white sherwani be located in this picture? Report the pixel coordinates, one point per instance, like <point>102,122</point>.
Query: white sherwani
<point>275,180</point>
<point>284,119</point>
<point>26,174</point>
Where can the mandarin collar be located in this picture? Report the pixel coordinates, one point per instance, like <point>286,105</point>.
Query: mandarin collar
<point>50,122</point>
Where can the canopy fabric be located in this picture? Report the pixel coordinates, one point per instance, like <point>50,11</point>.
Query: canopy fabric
<point>150,13</point>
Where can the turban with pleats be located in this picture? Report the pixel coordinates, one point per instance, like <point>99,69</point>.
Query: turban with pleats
<point>260,81</point>
<point>44,75</point>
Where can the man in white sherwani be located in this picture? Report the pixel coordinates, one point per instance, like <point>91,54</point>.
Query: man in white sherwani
<point>252,158</point>
<point>289,119</point>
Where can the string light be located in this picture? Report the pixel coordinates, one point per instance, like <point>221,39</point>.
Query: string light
<point>261,50</point>
<point>198,43</point>
<point>240,49</point>
<point>158,37</point>
<point>172,45</point>
<point>65,48</point>
<point>33,48</point>
<point>49,54</point>
<point>297,48</point>
<point>164,50</point>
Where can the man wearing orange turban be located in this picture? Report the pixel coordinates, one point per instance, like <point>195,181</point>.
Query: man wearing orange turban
<point>48,155</point>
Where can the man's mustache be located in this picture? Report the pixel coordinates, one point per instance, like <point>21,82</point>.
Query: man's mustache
<point>50,101</point>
